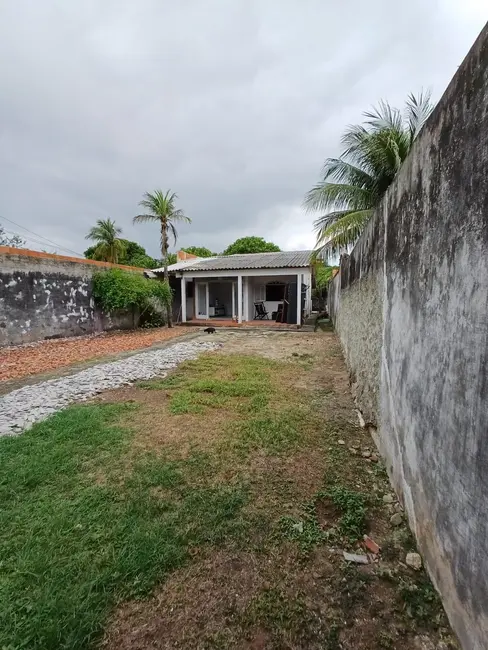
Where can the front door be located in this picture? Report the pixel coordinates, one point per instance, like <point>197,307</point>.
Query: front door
<point>202,300</point>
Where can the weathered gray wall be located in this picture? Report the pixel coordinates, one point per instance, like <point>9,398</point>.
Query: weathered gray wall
<point>45,297</point>
<point>411,308</point>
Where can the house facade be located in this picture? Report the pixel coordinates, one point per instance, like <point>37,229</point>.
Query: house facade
<point>274,286</point>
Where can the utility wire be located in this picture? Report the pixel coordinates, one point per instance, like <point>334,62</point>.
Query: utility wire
<point>42,237</point>
<point>28,239</point>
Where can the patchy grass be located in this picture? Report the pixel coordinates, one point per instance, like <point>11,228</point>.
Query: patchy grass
<point>71,548</point>
<point>207,510</point>
<point>352,507</point>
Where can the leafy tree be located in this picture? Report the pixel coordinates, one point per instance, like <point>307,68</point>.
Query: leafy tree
<point>143,262</point>
<point>161,209</point>
<point>91,253</point>
<point>323,275</point>
<point>14,241</point>
<point>353,184</point>
<point>251,245</point>
<point>131,250</point>
<point>109,247</point>
<point>133,255</point>
<point>200,251</point>
<point>170,259</point>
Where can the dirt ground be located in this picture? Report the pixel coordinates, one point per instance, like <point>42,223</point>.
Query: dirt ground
<point>43,356</point>
<point>315,487</point>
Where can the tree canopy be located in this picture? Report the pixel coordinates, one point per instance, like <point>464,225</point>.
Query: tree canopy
<point>200,251</point>
<point>108,245</point>
<point>353,184</point>
<point>13,240</point>
<point>133,254</point>
<point>246,245</point>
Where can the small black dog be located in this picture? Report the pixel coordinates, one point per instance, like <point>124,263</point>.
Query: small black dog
<point>210,330</point>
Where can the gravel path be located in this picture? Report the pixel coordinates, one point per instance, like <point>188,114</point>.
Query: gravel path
<point>21,408</point>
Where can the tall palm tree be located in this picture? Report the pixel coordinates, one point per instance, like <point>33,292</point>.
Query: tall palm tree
<point>161,208</point>
<point>106,237</point>
<point>353,184</point>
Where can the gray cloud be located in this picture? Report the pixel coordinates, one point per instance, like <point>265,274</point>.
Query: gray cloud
<point>234,105</point>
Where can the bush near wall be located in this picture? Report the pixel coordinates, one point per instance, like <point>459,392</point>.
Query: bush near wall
<point>117,290</point>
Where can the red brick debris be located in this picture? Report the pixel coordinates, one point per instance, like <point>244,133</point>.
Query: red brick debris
<point>34,358</point>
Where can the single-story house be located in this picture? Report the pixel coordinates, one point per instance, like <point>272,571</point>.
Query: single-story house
<point>242,287</point>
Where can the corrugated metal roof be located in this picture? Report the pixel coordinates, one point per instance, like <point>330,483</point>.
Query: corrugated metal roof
<point>181,265</point>
<point>285,259</point>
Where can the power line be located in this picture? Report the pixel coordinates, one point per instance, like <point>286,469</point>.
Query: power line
<point>29,239</point>
<point>42,237</point>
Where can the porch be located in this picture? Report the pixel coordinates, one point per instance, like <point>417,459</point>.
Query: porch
<point>232,298</point>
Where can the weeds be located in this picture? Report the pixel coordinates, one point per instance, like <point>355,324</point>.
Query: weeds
<point>283,616</point>
<point>421,600</point>
<point>352,505</point>
<point>306,532</point>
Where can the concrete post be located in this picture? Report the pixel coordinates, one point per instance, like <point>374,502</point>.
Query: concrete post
<point>239,298</point>
<point>183,299</point>
<point>299,299</point>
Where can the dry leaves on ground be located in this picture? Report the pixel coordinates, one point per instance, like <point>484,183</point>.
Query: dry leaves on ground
<point>31,359</point>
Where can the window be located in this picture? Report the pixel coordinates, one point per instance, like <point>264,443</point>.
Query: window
<point>275,291</point>
<point>259,293</point>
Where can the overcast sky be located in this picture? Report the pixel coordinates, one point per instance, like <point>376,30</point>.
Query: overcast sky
<point>233,104</point>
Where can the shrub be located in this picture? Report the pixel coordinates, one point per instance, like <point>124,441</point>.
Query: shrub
<point>116,289</point>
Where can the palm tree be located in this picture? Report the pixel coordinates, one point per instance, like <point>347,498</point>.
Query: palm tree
<point>161,208</point>
<point>353,184</point>
<point>108,244</point>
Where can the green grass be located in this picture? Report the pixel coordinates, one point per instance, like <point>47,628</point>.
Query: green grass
<point>274,432</point>
<point>77,536</point>
<point>196,388</point>
<point>183,402</point>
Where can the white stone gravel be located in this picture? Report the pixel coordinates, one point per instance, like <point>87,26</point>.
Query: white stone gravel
<point>21,408</point>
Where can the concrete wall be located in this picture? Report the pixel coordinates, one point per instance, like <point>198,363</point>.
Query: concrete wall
<point>410,305</point>
<point>48,296</point>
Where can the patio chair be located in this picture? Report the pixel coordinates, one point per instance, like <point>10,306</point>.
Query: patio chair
<point>260,312</point>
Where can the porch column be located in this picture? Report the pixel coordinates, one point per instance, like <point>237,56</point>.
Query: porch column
<point>233,300</point>
<point>299,299</point>
<point>245,290</point>
<point>183,299</point>
<point>239,298</point>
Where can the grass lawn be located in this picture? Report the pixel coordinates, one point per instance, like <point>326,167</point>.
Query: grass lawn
<point>208,509</point>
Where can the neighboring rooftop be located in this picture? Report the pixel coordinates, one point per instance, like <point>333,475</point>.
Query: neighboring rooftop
<point>284,259</point>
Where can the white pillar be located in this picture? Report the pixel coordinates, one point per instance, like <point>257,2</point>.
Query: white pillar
<point>233,299</point>
<point>308,299</point>
<point>239,298</point>
<point>245,311</point>
<point>299,299</point>
<point>183,299</point>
